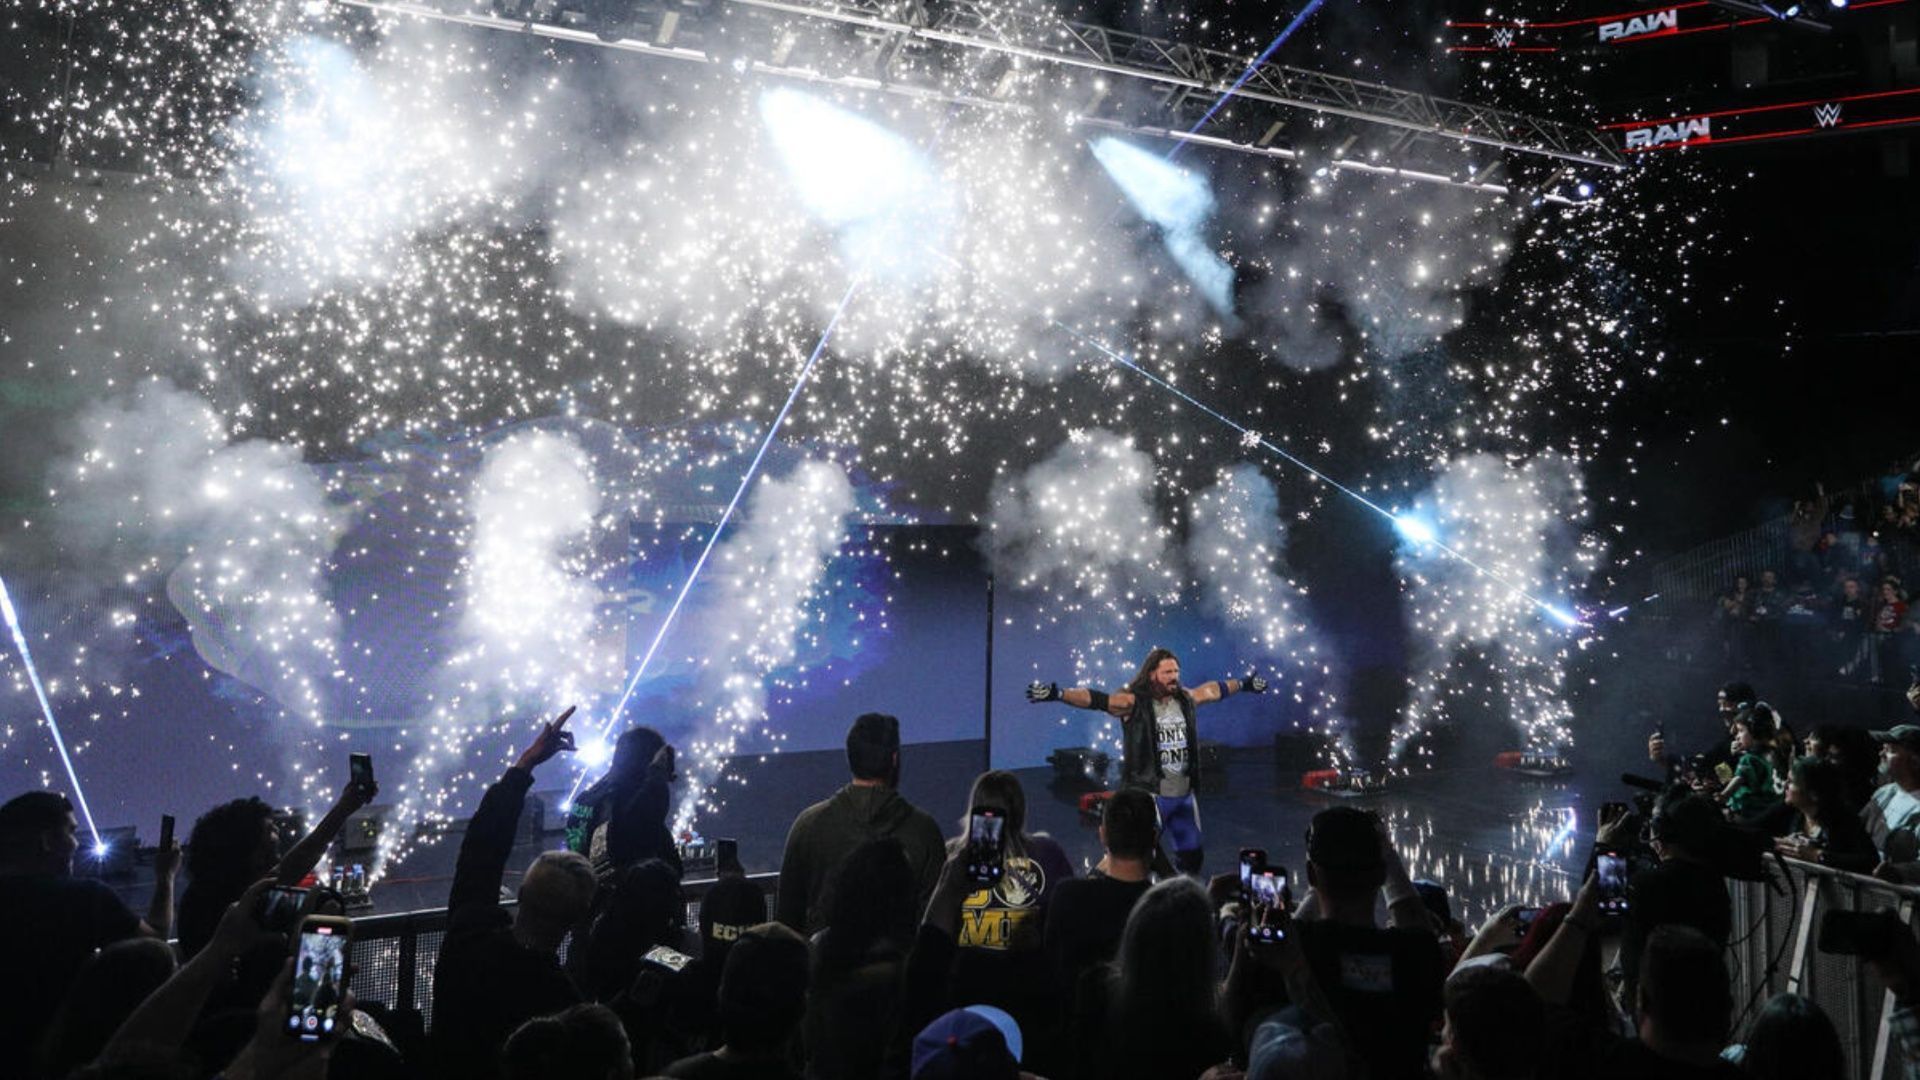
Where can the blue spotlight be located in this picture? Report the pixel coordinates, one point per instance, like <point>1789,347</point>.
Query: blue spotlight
<point>1180,203</point>
<point>1415,530</point>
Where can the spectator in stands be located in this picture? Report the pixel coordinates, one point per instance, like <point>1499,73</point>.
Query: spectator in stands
<point>1791,1039</point>
<point>1495,1027</point>
<point>584,1042</point>
<point>1729,700</point>
<point>1088,914</point>
<point>50,921</point>
<point>763,995</point>
<point>1683,1003</point>
<point>235,844</point>
<point>108,987</point>
<point>999,960</point>
<point>1804,529</point>
<point>1685,888</point>
<point>626,811</point>
<point>1847,615</point>
<point>1383,983</point>
<point>1733,610</point>
<point>1856,754</point>
<point>860,962</point>
<point>497,971</point>
<point>1768,604</point>
<point>672,1012</point>
<point>868,808</point>
<point>645,911</point>
<point>1155,1015</point>
<point>1893,814</point>
<point>1750,793</point>
<point>1828,832</point>
<point>1887,619</point>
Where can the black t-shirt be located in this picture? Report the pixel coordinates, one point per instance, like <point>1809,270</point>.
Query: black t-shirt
<point>485,985</point>
<point>710,1067</point>
<point>49,926</point>
<point>1579,1050</point>
<point>1384,985</point>
<point>1676,891</point>
<point>1084,923</point>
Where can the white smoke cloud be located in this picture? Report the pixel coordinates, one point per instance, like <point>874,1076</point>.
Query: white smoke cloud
<point>1503,599</point>
<point>530,618</point>
<point>355,155</point>
<point>1081,528</point>
<point>763,579</point>
<point>1236,546</point>
<point>1397,259</point>
<point>240,533</point>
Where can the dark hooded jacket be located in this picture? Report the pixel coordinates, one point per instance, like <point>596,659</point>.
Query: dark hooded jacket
<point>827,832</point>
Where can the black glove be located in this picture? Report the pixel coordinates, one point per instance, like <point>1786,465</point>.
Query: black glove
<point>1253,684</point>
<point>1040,693</point>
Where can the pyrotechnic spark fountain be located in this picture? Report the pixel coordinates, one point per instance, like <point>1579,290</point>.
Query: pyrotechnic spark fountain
<point>46,711</point>
<point>746,480</point>
<point>1410,527</point>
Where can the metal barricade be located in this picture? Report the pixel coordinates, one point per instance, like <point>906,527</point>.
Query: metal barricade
<point>394,955</point>
<point>1776,949</point>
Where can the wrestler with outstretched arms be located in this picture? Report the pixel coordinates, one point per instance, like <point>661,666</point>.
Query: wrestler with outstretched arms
<point>1159,743</point>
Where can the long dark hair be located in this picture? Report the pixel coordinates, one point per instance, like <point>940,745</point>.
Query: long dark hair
<point>1163,975</point>
<point>1793,1038</point>
<point>1000,790</point>
<point>632,752</point>
<point>1142,683</point>
<point>1825,784</point>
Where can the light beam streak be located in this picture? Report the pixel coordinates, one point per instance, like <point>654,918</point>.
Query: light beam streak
<point>746,481</point>
<point>12,618</point>
<point>1265,55</point>
<point>1249,437</point>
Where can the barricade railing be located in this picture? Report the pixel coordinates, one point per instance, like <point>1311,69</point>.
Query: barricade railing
<point>1776,949</point>
<point>394,955</point>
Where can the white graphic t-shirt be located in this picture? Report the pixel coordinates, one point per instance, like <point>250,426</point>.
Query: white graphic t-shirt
<point>1170,739</point>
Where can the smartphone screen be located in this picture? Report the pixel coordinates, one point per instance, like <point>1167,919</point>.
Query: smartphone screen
<point>1610,870</point>
<point>166,831</point>
<point>986,856</point>
<point>280,909</point>
<point>360,768</point>
<point>319,979</point>
<point>1252,861</point>
<point>1268,887</point>
<point>1525,916</point>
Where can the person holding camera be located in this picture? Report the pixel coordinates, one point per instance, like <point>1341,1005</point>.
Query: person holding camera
<point>1729,701</point>
<point>1159,742</point>
<point>1892,816</point>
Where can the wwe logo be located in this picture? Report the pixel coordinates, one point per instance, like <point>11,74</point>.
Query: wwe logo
<point>1827,115</point>
<point>1503,37</point>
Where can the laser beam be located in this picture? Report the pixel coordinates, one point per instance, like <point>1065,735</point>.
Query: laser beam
<point>1407,526</point>
<point>1265,55</point>
<point>746,481</point>
<point>12,618</point>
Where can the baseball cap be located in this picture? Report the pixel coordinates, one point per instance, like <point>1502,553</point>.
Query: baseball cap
<point>1907,735</point>
<point>978,1042</point>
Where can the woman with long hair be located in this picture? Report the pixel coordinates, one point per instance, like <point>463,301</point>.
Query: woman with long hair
<point>1827,832</point>
<point>622,819</point>
<point>1156,1014</point>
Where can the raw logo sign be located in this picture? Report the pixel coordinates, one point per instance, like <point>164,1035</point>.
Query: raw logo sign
<point>1641,25</point>
<point>1697,129</point>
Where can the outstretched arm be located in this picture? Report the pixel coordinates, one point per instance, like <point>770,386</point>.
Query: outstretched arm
<point>1080,697</point>
<point>302,857</point>
<point>1206,693</point>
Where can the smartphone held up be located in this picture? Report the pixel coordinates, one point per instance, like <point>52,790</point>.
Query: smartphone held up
<point>319,989</point>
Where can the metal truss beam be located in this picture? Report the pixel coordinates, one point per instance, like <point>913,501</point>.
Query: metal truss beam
<point>978,54</point>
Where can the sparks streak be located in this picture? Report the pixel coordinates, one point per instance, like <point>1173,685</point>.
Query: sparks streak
<point>746,480</point>
<point>46,709</point>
